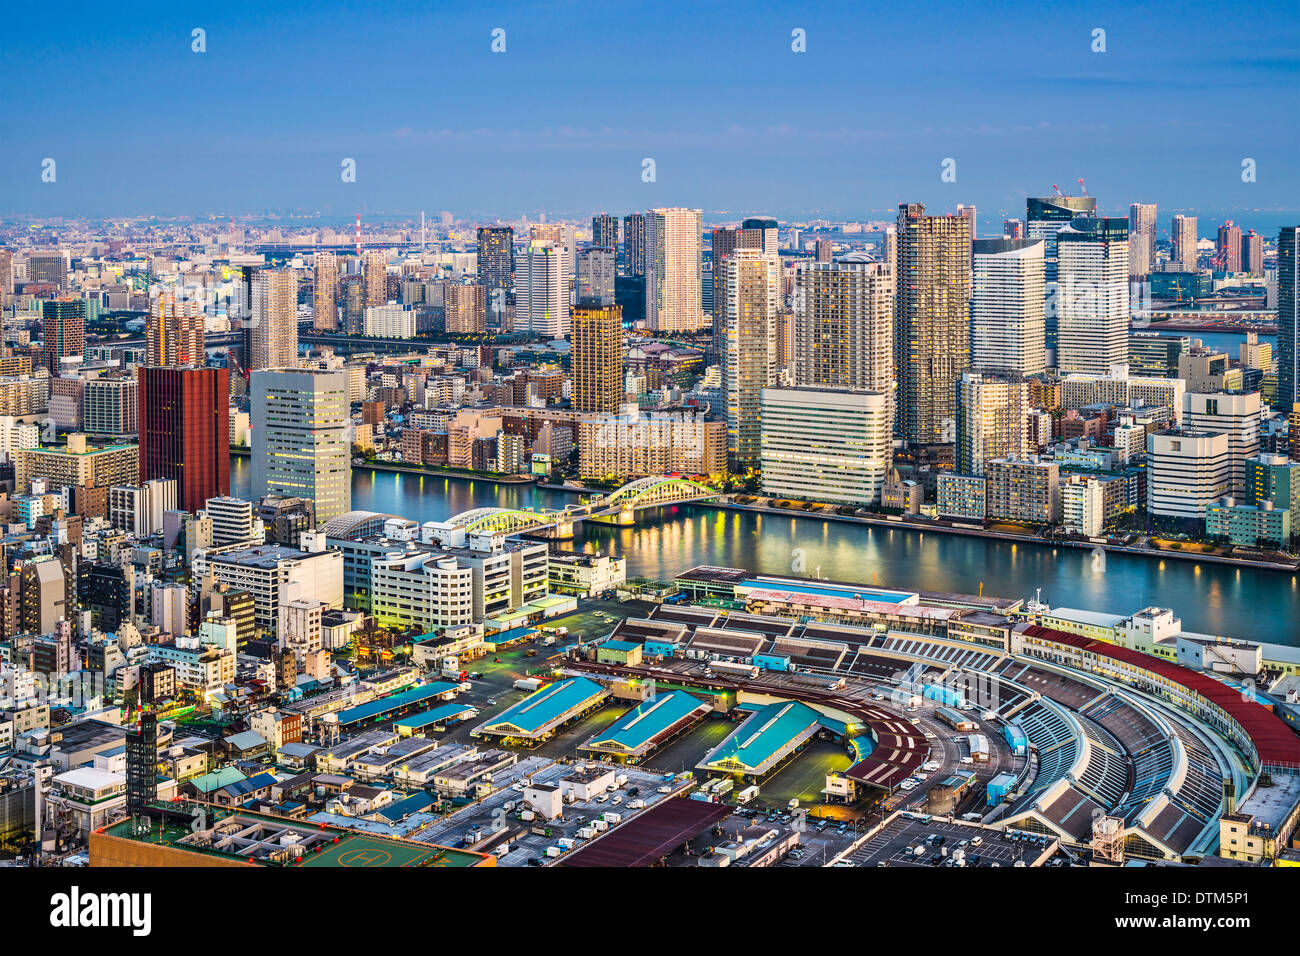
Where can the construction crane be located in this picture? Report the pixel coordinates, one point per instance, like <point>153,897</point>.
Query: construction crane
<point>1083,187</point>
<point>1057,189</point>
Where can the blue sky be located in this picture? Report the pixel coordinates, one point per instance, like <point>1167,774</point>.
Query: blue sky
<point>561,121</point>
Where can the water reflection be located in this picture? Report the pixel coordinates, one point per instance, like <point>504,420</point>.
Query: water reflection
<point>1212,599</point>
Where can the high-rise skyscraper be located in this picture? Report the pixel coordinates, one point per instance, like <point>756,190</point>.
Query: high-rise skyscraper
<point>1227,247</point>
<point>673,261</point>
<point>301,446</point>
<point>173,332</point>
<point>564,237</point>
<point>63,331</point>
<point>1043,217</point>
<point>325,294</point>
<point>597,271</point>
<point>353,298</point>
<point>1183,232</point>
<point>273,333</point>
<point>634,245</point>
<point>374,268</point>
<point>1093,298</point>
<point>597,356</point>
<point>1013,229</point>
<point>752,234</point>
<point>931,320</point>
<point>751,284</point>
<point>1288,317</point>
<point>968,213</point>
<point>604,231</point>
<point>992,420</point>
<point>184,422</point>
<point>844,325</point>
<point>1141,238</point>
<point>542,291</point>
<point>1252,253</point>
<point>1008,328</point>
<point>465,308</point>
<point>496,270</point>
<point>6,271</point>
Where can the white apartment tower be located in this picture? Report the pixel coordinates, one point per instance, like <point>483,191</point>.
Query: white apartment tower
<point>1092,295</point>
<point>1234,414</point>
<point>542,290</point>
<point>1008,317</point>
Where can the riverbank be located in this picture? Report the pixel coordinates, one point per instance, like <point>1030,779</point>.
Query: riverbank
<point>433,471</point>
<point>924,525</point>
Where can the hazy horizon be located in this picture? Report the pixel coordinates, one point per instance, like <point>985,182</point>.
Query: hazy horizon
<point>733,118</point>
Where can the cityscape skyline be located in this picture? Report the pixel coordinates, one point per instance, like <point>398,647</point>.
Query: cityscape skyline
<point>942,511</point>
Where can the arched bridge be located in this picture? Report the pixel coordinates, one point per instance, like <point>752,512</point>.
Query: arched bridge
<point>619,506</point>
<point>657,490</point>
<point>507,520</point>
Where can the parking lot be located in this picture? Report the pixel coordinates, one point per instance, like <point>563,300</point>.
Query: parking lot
<point>895,843</point>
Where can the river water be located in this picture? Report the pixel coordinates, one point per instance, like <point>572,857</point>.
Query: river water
<point>1210,598</point>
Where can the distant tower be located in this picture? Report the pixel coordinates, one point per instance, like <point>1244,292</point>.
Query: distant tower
<point>358,235</point>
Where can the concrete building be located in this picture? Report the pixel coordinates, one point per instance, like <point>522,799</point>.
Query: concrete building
<point>751,280</point>
<point>268,572</point>
<point>1235,415</point>
<point>76,463</point>
<point>1008,319</point>
<point>173,332</point>
<point>964,497</point>
<point>273,325</point>
<point>542,291</point>
<point>820,444</point>
<point>110,407</point>
<point>844,325</point>
<point>1141,238</point>
<point>1093,295</point>
<point>673,263</point>
<point>1024,489</point>
<point>596,354</point>
<point>325,292</point>
<point>1187,471</point>
<point>1183,233</point>
<point>1083,505</point>
<point>992,414</point>
<point>232,520</point>
<point>390,321</point>
<point>932,321</point>
<point>635,444</point>
<point>300,437</point>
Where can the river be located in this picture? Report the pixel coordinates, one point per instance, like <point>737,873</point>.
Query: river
<point>1212,599</point>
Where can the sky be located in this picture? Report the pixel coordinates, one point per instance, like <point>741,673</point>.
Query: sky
<point>734,119</point>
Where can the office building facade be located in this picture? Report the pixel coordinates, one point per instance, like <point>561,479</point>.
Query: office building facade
<point>301,446</point>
